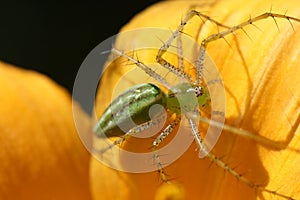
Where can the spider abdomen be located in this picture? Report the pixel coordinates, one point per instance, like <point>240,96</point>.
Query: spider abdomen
<point>129,109</point>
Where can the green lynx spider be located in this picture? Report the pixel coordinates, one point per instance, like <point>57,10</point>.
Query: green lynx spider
<point>150,94</point>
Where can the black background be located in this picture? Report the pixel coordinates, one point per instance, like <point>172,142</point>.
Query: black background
<point>54,37</point>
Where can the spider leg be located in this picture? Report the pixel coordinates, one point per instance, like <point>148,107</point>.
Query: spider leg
<point>180,55</point>
<point>176,34</point>
<point>169,129</point>
<point>144,67</point>
<point>135,130</point>
<point>224,166</point>
<point>250,21</point>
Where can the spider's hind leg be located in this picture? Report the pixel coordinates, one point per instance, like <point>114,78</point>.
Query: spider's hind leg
<point>132,132</point>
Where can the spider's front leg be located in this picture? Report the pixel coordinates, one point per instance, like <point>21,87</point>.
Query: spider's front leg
<point>214,159</point>
<point>241,26</point>
<point>176,35</point>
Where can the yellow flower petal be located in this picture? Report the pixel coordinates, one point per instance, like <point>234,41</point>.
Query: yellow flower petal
<point>41,154</point>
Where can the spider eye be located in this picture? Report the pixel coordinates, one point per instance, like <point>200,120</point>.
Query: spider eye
<point>198,91</point>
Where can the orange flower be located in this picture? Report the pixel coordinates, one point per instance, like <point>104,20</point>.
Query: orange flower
<point>259,68</point>
<point>41,154</point>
